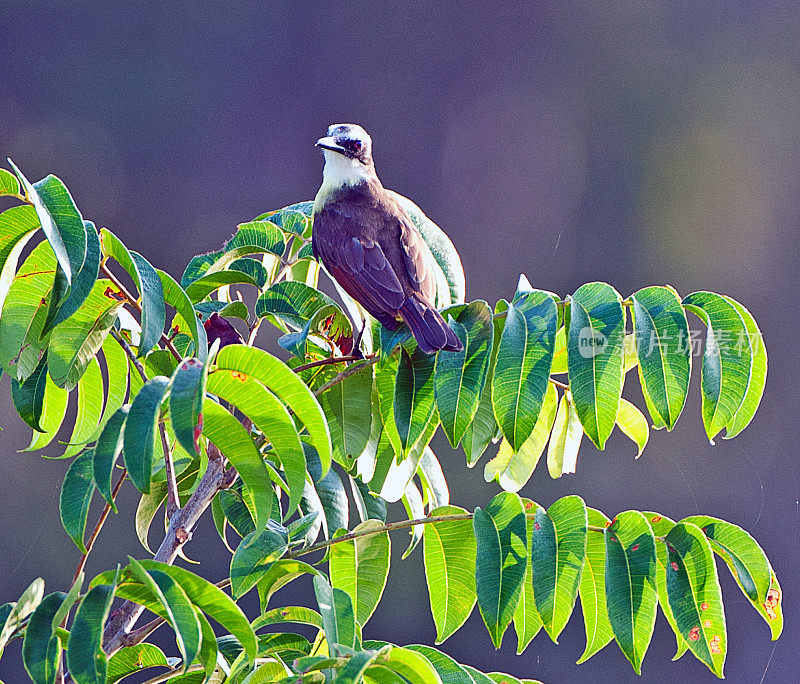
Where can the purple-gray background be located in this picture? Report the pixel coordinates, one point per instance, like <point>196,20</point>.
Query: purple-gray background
<point>637,142</point>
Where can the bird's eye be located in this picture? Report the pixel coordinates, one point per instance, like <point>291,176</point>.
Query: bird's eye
<point>356,144</point>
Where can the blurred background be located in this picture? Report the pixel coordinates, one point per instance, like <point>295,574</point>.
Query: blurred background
<point>639,142</point>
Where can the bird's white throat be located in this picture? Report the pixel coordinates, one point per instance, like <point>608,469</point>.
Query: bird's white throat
<point>340,171</point>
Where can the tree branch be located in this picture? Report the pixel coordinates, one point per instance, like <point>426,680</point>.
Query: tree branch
<point>332,360</point>
<point>346,373</point>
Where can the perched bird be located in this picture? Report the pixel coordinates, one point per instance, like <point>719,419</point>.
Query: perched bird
<point>369,245</point>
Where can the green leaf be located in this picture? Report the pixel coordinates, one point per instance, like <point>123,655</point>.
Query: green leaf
<point>90,408</point>
<point>511,470</point>
<point>558,553</point>
<point>139,432</point>
<point>209,651</point>
<point>108,448</point>
<point>327,496</point>
<point>360,567</point>
<point>177,606</point>
<point>565,440</point>
<point>9,185</point>
<point>664,351</point>
<point>262,234</point>
<point>727,360</point>
<point>348,407</point>
<point>60,220</point>
<point>758,372</point>
<point>502,553</point>
<point>198,290</point>
<point>296,614</point>
<point>24,314</point>
<point>17,226</point>
<point>228,435</point>
<point>277,376</point>
<point>695,595</point>
<point>83,281</point>
<point>370,506</point>
<point>432,479</point>
<point>630,584</point>
<point>117,379</point>
<point>279,574</point>
<point>412,666</point>
<point>76,341</point>
<point>148,283</point>
<point>12,614</point>
<point>338,618</point>
<point>595,349</point>
<point>76,495</point>
<point>449,671</point>
<point>460,376</point>
<point>28,397</point>
<point>413,396</point>
<point>592,589</point>
<point>527,621</point>
<point>187,392</point>
<point>524,359</point>
<point>271,417</point>
<point>255,553</point>
<point>175,296</point>
<point>633,424</point>
<point>132,659</point>
<point>412,502</point>
<point>86,659</point>
<point>213,601</point>
<point>41,668</point>
<point>748,564</point>
<point>292,302</point>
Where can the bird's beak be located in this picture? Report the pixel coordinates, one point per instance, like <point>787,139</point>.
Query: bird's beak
<point>328,143</point>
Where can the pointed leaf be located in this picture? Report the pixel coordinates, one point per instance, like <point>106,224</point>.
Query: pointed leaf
<point>36,656</point>
<point>727,360</point>
<point>360,567</point>
<point>633,424</point>
<point>748,564</point>
<point>512,470</point>
<point>460,376</point>
<point>502,553</point>
<point>758,372</point>
<point>663,351</point>
<point>277,377</point>
<point>86,659</point>
<point>592,589</point>
<point>271,417</point>
<point>90,407</point>
<point>347,407</point>
<point>139,432</point>
<point>338,618</point>
<point>186,397</point>
<point>108,448</point>
<point>695,595</point>
<point>412,502</point>
<point>565,440</point>
<point>595,348</point>
<point>177,606</point>
<point>524,359</point>
<point>175,296</point>
<point>28,397</point>
<point>450,556</point>
<point>449,671</point>
<point>17,226</point>
<point>279,574</point>
<point>132,659</point>
<point>76,495</point>
<point>75,342</point>
<point>255,553</point>
<point>527,621</point>
<point>630,584</point>
<point>60,220</point>
<point>228,435</point>
<point>559,551</point>
<point>291,301</point>
<point>413,396</point>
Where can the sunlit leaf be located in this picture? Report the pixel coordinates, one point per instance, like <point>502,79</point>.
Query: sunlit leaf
<point>140,429</point>
<point>527,621</point>
<point>413,396</point>
<point>595,348</point>
<point>90,407</point>
<point>565,439</point>
<point>347,407</point>
<point>86,659</point>
<point>633,424</point>
<point>338,618</point>
<point>76,495</point>
<point>592,589</point>
<point>175,296</point>
<point>132,659</point>
<point>255,553</point>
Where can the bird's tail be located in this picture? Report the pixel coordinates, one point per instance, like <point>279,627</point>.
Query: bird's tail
<point>428,327</point>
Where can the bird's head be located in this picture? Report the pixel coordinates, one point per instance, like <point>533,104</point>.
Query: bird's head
<point>349,141</point>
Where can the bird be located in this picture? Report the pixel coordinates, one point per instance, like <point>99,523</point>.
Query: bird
<point>369,245</point>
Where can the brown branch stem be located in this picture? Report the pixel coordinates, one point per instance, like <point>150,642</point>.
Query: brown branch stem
<point>346,373</point>
<point>332,360</point>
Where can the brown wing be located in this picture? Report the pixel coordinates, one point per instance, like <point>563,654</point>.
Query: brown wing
<point>415,253</point>
<point>359,265</point>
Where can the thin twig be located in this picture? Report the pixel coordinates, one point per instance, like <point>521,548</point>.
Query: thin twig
<point>98,526</point>
<point>334,359</point>
<point>558,383</point>
<point>346,373</point>
<point>134,302</point>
